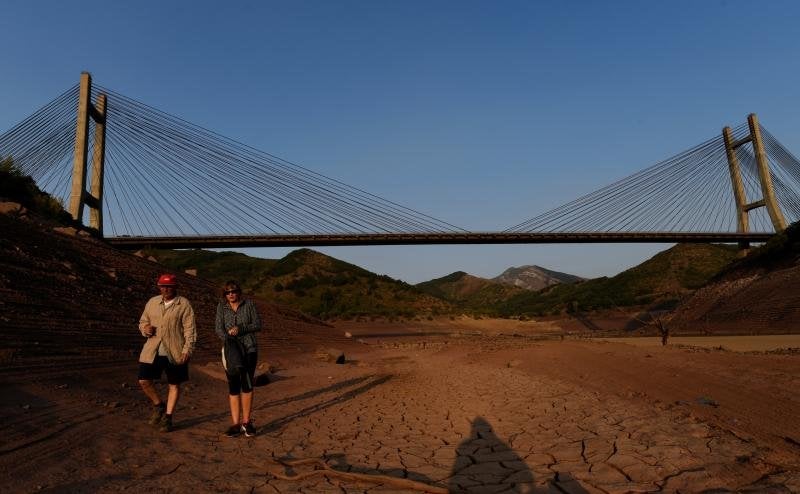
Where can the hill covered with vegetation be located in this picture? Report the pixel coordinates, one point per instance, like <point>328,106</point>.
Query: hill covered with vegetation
<point>332,289</point>
<point>312,282</point>
<point>20,188</point>
<point>218,267</point>
<point>665,278</point>
<point>470,293</point>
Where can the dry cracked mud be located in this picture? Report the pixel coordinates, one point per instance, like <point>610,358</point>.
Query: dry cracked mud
<point>476,415</point>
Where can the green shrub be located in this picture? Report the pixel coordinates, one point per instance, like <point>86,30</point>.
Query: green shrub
<point>18,187</point>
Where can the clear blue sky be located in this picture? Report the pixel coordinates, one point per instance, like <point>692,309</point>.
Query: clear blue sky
<point>482,114</point>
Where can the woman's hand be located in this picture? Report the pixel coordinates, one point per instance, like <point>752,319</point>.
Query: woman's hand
<point>233,331</point>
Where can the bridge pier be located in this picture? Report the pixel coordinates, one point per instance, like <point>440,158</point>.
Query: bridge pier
<point>79,196</point>
<point>768,200</point>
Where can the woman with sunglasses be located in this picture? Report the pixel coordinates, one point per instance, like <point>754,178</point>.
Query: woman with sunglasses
<point>237,319</point>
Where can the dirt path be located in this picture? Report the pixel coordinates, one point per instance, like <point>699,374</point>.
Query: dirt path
<point>472,416</point>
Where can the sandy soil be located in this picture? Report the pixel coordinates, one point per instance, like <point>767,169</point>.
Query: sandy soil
<point>471,413</point>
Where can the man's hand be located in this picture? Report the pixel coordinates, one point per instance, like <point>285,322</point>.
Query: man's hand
<point>233,331</point>
<point>184,358</point>
<point>149,331</point>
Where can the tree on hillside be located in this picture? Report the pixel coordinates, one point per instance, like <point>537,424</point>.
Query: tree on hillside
<point>18,187</point>
<point>659,319</point>
<point>658,316</point>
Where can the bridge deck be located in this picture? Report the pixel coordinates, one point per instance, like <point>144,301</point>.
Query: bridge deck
<point>221,241</point>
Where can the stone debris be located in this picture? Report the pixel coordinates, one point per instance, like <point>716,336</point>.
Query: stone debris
<point>66,230</point>
<point>330,355</point>
<point>12,209</point>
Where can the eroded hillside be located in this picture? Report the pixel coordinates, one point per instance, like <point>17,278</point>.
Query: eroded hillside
<point>68,300</point>
<point>757,294</point>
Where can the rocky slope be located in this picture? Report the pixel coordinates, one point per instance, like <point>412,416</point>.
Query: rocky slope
<point>469,293</point>
<point>757,294</point>
<point>534,277</point>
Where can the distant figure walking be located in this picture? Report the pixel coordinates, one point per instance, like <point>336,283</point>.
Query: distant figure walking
<point>236,325</point>
<point>168,324</point>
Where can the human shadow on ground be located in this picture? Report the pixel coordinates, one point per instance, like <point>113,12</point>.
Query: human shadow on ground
<point>210,417</point>
<point>338,461</point>
<point>213,417</point>
<point>310,394</point>
<point>336,400</point>
<point>485,463</point>
<point>268,378</point>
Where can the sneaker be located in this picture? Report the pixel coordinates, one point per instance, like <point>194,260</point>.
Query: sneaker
<point>157,415</point>
<point>249,429</point>
<point>233,431</point>
<point>166,424</point>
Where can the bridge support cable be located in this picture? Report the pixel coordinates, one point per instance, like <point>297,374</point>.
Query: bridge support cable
<point>176,178</point>
<point>702,189</point>
<point>156,176</point>
<point>41,145</point>
<point>785,172</point>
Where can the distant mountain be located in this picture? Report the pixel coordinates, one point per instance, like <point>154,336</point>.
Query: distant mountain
<point>469,292</point>
<point>311,282</point>
<point>534,277</point>
<point>667,276</point>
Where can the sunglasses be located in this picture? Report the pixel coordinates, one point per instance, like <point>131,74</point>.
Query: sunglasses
<point>228,292</point>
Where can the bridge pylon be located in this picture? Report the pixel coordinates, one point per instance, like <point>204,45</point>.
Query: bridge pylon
<point>79,195</point>
<point>768,199</point>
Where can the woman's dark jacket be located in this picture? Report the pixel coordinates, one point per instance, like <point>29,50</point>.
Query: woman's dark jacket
<point>246,318</point>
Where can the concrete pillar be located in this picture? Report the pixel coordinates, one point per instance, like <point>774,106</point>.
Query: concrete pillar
<point>81,149</point>
<point>775,214</point>
<point>736,180</point>
<point>98,161</point>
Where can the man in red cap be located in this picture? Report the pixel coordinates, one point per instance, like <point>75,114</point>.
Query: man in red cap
<point>168,324</point>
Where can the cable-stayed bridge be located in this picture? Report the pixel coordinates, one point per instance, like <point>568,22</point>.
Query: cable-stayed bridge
<point>142,177</point>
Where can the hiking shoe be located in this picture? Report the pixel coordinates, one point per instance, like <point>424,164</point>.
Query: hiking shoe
<point>165,425</point>
<point>157,415</point>
<point>249,429</point>
<point>233,430</point>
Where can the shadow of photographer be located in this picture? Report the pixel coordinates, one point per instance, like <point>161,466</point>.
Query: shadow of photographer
<point>485,463</point>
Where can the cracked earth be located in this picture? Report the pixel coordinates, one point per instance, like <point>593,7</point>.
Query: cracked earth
<point>473,415</point>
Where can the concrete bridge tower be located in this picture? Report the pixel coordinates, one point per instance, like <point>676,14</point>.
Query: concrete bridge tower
<point>79,195</point>
<point>768,199</point>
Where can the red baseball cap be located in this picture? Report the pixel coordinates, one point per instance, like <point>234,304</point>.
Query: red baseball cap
<point>167,280</point>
